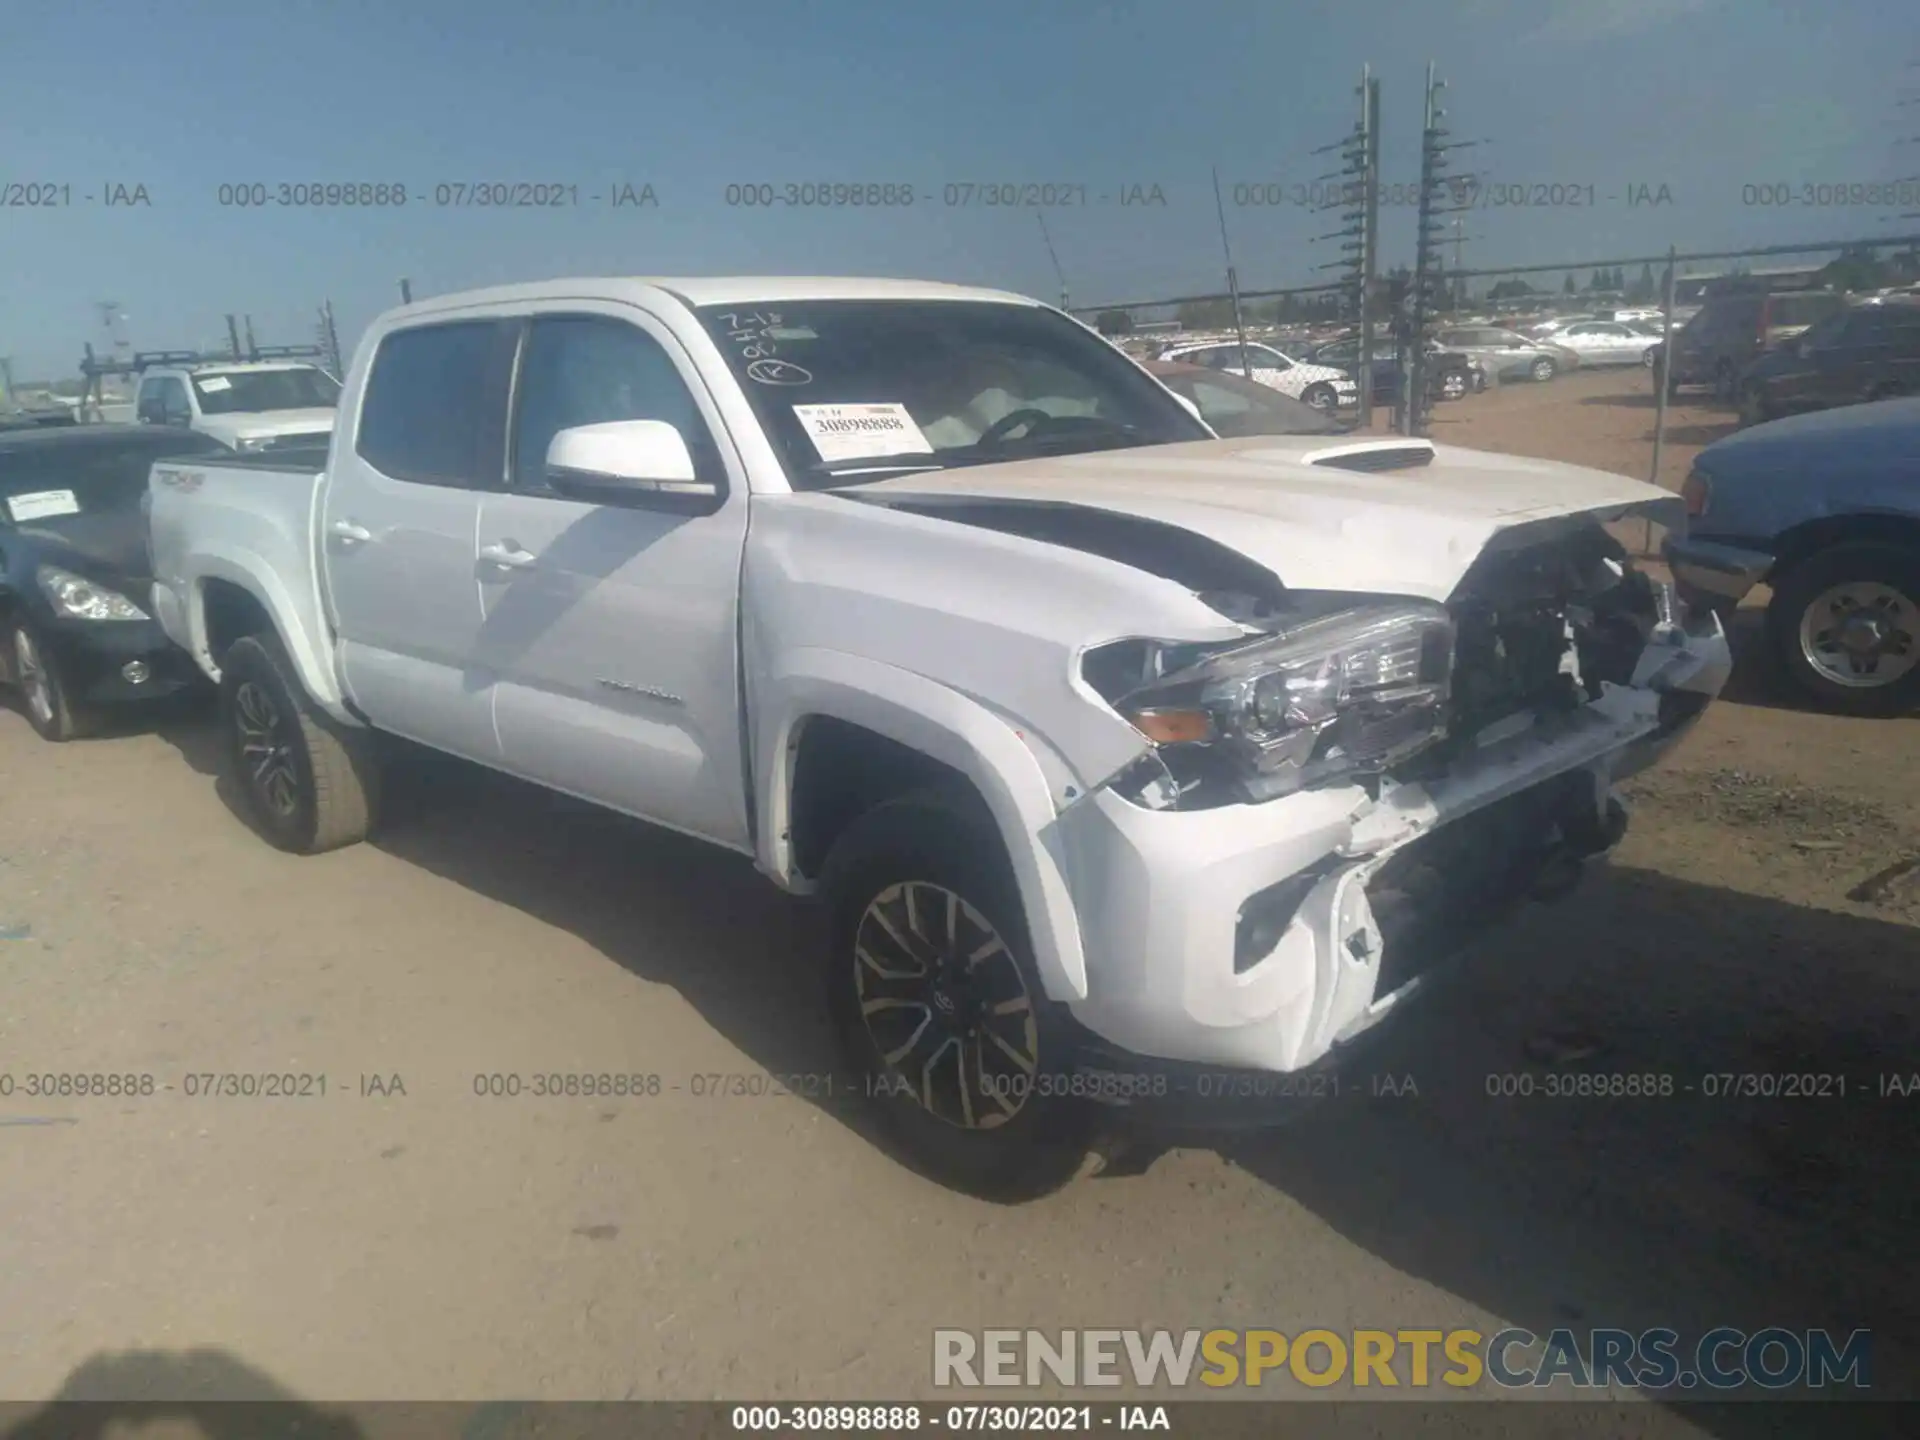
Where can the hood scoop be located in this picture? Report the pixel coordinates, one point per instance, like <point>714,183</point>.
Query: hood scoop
<point>1373,456</point>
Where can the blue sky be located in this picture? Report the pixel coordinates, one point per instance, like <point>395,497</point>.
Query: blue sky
<point>1703,96</point>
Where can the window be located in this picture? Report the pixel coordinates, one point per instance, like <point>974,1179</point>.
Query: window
<point>435,406</point>
<point>1802,309</point>
<point>163,401</point>
<point>233,392</point>
<point>103,476</point>
<point>585,370</point>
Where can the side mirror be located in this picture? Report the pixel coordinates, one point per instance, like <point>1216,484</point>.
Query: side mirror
<point>625,462</point>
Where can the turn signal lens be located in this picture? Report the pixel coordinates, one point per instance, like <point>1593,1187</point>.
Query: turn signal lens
<point>1696,491</point>
<point>1173,727</point>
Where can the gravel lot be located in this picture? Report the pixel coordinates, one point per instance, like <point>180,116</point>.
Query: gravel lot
<point>439,1245</point>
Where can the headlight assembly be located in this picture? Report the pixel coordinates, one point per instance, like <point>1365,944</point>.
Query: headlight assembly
<point>1356,690</point>
<point>76,598</point>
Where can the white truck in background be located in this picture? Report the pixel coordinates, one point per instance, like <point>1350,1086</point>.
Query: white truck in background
<point>247,405</point>
<point>1127,759</point>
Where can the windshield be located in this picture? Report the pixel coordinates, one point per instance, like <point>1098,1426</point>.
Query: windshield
<point>855,389</point>
<point>236,392</point>
<point>45,482</point>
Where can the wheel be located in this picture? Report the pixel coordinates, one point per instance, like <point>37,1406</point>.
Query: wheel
<point>1845,625</point>
<point>309,785</point>
<point>1479,382</point>
<point>54,714</point>
<point>1320,397</point>
<point>1650,357</point>
<point>938,1009</point>
<point>1453,385</point>
<point>1543,368</point>
<point>1753,406</point>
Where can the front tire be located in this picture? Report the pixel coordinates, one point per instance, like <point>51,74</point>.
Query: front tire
<point>1321,398</point>
<point>1453,385</point>
<point>1845,626</point>
<point>307,784</point>
<point>1754,409</point>
<point>1543,369</point>
<point>51,709</point>
<point>938,1010</point>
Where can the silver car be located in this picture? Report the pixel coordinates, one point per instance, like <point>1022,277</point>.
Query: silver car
<point>1508,354</point>
<point>1607,342</point>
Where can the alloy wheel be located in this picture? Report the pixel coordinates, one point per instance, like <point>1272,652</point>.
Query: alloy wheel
<point>32,675</point>
<point>1861,635</point>
<point>266,750</point>
<point>945,1005</point>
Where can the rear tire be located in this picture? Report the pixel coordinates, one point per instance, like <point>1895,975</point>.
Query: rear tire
<point>937,1007</point>
<point>308,784</point>
<point>1873,586</point>
<point>1453,385</point>
<point>1543,369</point>
<point>50,708</point>
<point>1754,409</point>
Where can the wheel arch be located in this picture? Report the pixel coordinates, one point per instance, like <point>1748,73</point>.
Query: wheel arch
<point>828,717</point>
<point>230,598</point>
<point>1885,528</point>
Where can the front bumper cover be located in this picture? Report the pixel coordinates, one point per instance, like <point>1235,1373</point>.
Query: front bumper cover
<point>1714,574</point>
<point>1160,894</point>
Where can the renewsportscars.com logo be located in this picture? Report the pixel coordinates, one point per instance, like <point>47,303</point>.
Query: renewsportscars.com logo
<point>1721,1359</point>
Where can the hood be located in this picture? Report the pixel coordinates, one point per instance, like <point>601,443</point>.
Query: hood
<point>1302,507</point>
<point>1884,432</point>
<point>269,423</point>
<point>109,546</point>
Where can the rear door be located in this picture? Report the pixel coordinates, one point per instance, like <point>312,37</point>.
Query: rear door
<point>400,511</point>
<point>611,631</point>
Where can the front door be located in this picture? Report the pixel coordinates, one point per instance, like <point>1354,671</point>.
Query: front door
<point>610,634</point>
<point>398,530</point>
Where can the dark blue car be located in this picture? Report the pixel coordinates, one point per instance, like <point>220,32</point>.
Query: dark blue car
<point>1825,509</point>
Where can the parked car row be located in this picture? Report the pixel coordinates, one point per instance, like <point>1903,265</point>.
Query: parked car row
<point>1119,753</point>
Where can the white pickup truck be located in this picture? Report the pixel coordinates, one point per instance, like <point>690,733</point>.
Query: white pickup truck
<point>245,405</point>
<point>1137,767</point>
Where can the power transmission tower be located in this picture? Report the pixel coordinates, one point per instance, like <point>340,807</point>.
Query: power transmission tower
<point>1429,263</point>
<point>1358,192</point>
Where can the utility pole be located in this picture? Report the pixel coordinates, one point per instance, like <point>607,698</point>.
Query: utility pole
<point>1428,263</point>
<point>1233,280</point>
<point>1660,380</point>
<point>1358,194</point>
<point>406,291</point>
<point>1041,216</point>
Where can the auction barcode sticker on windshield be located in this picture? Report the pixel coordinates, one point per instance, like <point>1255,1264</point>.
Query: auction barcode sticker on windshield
<point>215,382</point>
<point>860,432</point>
<point>42,503</point>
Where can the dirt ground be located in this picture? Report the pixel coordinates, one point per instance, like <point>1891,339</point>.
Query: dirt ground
<point>435,1244</point>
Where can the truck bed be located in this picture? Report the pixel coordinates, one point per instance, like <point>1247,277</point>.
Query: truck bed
<point>234,517</point>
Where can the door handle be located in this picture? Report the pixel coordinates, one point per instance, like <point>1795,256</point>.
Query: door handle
<point>351,533</point>
<point>507,555</point>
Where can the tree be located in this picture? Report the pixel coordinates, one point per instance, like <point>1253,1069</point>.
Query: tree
<point>1569,288</point>
<point>1858,268</point>
<point>1113,322</point>
<point>1643,289</point>
<point>1509,290</point>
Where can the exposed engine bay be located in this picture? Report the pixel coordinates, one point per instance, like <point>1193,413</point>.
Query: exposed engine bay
<point>1537,626</point>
